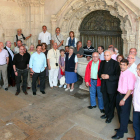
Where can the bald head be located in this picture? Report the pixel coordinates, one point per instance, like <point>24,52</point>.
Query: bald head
<point>133,51</point>
<point>95,56</point>
<point>1,45</point>
<point>8,44</point>
<point>54,45</point>
<point>131,59</point>
<point>107,55</point>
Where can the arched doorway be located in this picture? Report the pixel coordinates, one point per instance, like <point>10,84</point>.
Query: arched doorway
<point>102,29</point>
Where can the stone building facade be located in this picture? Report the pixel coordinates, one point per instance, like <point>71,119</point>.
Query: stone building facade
<point>30,15</point>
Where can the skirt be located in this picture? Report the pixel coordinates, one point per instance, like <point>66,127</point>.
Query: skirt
<point>71,77</point>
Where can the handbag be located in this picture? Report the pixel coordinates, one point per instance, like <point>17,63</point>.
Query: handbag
<point>62,73</point>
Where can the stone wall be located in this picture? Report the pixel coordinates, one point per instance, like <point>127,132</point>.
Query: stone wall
<point>30,15</point>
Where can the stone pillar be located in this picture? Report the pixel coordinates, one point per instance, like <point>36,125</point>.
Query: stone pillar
<point>53,23</point>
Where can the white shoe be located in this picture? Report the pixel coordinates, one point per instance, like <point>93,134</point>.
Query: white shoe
<point>65,86</point>
<point>71,90</point>
<point>67,89</point>
<point>60,86</point>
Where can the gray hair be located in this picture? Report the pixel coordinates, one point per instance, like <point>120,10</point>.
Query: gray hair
<point>71,47</point>
<point>108,51</point>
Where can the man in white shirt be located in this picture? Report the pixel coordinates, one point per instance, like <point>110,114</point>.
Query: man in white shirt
<point>101,52</point>
<point>58,38</point>
<point>132,66</point>
<point>45,37</point>
<point>52,59</point>
<point>133,51</point>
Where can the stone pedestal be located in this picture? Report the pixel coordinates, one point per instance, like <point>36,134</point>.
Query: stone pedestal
<point>82,63</point>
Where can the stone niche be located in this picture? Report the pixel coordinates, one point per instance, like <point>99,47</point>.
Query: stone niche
<point>73,12</point>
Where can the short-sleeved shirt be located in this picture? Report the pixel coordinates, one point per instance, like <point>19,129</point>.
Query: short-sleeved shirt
<point>126,82</point>
<point>3,55</point>
<point>21,61</point>
<point>58,39</point>
<point>53,56</point>
<point>75,59</point>
<point>22,38</point>
<point>45,37</point>
<point>88,51</point>
<point>81,51</point>
<point>114,57</point>
<point>136,95</point>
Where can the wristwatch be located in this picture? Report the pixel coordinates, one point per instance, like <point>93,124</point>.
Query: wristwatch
<point>124,99</point>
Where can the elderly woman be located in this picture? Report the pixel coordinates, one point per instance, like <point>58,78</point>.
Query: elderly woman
<point>20,36</point>
<point>31,50</point>
<point>79,51</point>
<point>71,40</point>
<point>71,62</point>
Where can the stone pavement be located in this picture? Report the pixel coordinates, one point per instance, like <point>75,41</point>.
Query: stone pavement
<point>57,115</point>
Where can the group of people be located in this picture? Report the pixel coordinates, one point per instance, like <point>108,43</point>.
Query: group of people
<point>115,79</point>
<point>109,75</point>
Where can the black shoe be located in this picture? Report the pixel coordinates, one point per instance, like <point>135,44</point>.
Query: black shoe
<point>34,93</point>
<point>90,107</point>
<point>43,92</point>
<point>102,110</point>
<point>116,137</point>
<point>130,122</point>
<point>108,120</point>
<point>118,129</point>
<point>6,89</point>
<point>103,116</point>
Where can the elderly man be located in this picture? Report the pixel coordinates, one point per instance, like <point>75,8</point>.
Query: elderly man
<point>38,69</point>
<point>88,50</point>
<point>44,37</point>
<point>124,98</point>
<point>109,73</point>
<point>93,81</point>
<point>133,51</point>
<point>132,65</point>
<point>58,38</point>
<point>20,36</point>
<point>4,60</point>
<point>19,44</point>
<point>113,55</point>
<point>10,71</point>
<point>101,52</point>
<point>21,66</point>
<point>52,59</point>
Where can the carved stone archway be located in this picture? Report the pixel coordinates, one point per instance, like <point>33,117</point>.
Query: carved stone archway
<point>73,12</point>
<point>102,29</point>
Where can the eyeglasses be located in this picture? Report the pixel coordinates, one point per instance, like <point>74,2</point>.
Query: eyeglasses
<point>130,58</point>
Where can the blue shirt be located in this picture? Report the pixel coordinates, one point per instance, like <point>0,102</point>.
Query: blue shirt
<point>38,62</point>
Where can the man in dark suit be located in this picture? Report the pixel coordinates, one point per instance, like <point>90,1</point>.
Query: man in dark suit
<point>10,71</point>
<point>109,73</point>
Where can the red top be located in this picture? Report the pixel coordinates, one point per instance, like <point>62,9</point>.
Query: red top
<point>88,74</point>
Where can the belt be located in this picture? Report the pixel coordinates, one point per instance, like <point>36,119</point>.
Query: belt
<point>93,79</point>
<point>3,64</point>
<point>122,94</point>
<point>22,70</point>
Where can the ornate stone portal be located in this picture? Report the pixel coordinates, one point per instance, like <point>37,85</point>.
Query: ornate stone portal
<point>72,14</point>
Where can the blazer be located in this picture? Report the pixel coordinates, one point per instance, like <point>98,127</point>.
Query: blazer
<point>88,74</point>
<point>110,85</point>
<point>10,58</point>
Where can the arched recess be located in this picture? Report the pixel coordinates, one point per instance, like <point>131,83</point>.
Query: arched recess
<point>73,12</point>
<point>102,29</point>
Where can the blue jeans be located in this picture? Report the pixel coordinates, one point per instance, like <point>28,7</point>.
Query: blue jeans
<point>136,124</point>
<point>92,91</point>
